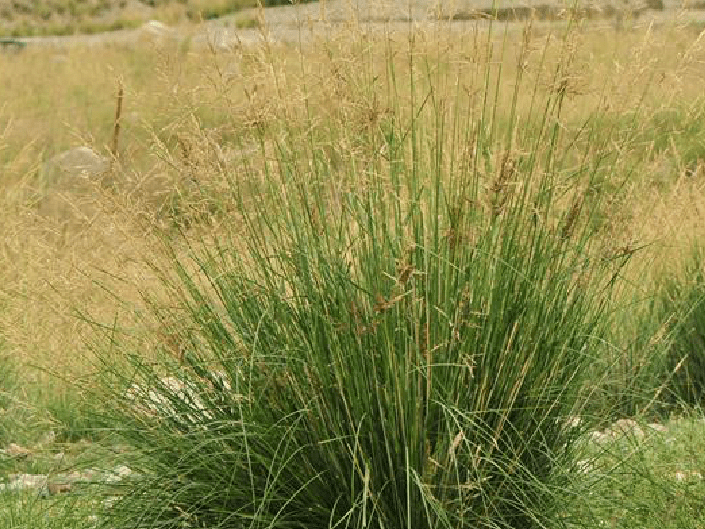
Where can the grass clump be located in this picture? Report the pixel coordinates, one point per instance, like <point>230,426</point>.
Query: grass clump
<point>401,349</point>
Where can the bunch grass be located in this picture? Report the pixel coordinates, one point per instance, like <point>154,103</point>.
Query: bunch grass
<point>394,339</point>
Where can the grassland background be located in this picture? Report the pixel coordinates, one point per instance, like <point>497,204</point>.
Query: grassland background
<point>67,17</point>
<point>193,116</point>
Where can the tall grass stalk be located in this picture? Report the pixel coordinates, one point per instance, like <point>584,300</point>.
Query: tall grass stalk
<point>396,341</point>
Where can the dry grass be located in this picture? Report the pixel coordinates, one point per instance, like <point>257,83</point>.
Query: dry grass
<point>190,119</point>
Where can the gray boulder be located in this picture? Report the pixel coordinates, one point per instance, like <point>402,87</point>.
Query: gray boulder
<point>156,32</point>
<point>69,182</point>
<point>76,165</point>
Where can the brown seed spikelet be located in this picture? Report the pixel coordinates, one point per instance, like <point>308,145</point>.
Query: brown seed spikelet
<point>499,190</point>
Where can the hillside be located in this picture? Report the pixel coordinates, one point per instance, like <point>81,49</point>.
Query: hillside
<point>65,17</point>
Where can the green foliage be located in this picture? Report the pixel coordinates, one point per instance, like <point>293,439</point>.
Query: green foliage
<point>661,367</point>
<point>684,299</point>
<point>8,381</point>
<point>648,480</point>
<point>630,377</point>
<point>389,355</point>
<point>680,131</point>
<point>27,509</point>
<point>68,414</point>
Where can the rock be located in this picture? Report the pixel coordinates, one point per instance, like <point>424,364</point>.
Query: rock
<point>620,429</point>
<point>600,437</point>
<point>58,488</point>
<point>110,501</point>
<point>573,422</point>
<point>69,181</point>
<point>17,451</point>
<point>118,474</point>
<point>79,163</point>
<point>63,483</point>
<point>160,401</point>
<point>48,438</point>
<point>688,475</point>
<point>156,32</point>
<point>585,466</point>
<point>627,427</point>
<point>175,398</point>
<point>24,481</point>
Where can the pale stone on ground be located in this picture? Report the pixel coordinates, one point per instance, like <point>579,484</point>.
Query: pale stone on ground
<point>69,182</point>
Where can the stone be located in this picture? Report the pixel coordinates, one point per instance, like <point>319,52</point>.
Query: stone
<point>573,422</point>
<point>600,437</point>
<point>657,427</point>
<point>79,163</point>
<point>688,475</point>
<point>160,399</point>
<point>618,430</point>
<point>69,183</point>
<point>47,439</point>
<point>156,32</point>
<point>17,451</point>
<point>585,466</point>
<point>626,427</point>
<point>24,481</point>
<point>63,483</point>
<point>118,474</point>
<point>58,488</point>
